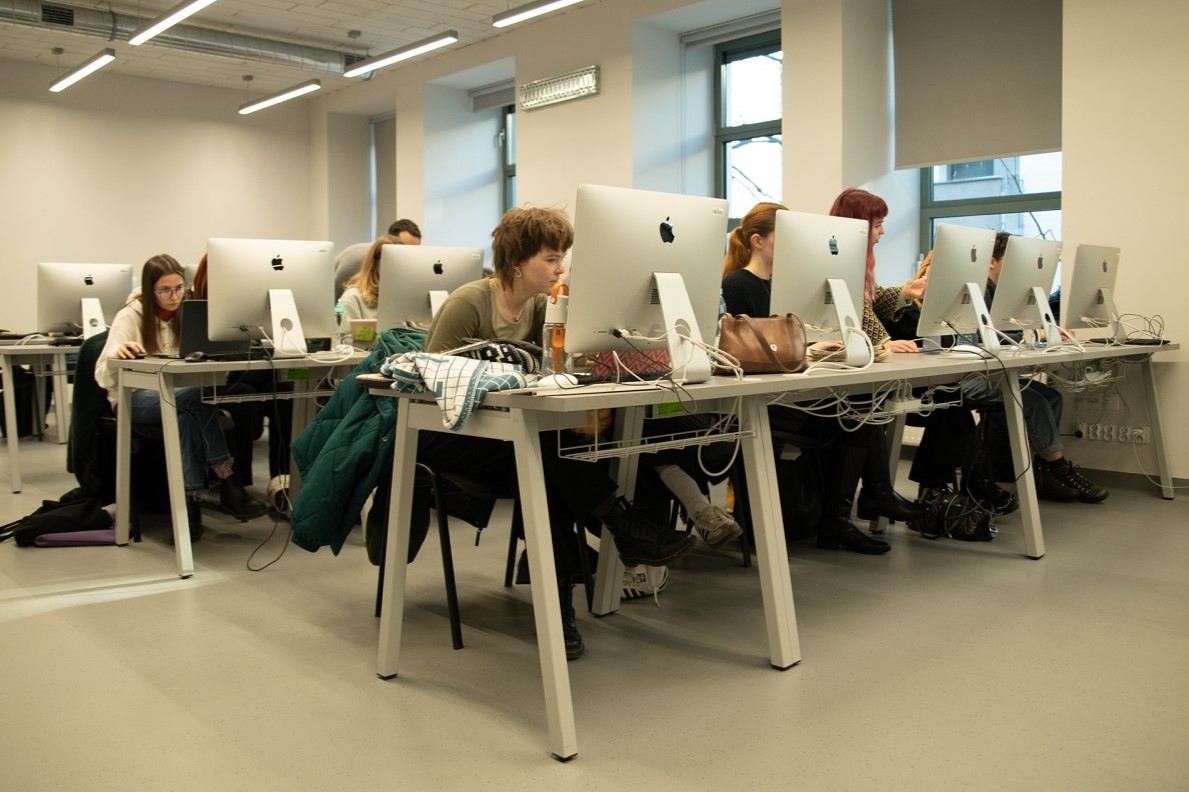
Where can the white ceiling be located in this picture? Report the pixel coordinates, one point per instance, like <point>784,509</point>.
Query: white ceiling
<point>323,24</point>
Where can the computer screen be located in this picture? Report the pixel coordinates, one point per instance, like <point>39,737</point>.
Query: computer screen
<point>414,279</point>
<point>1029,267</point>
<point>621,238</point>
<point>953,302</point>
<point>1090,301</point>
<point>810,251</point>
<point>61,289</point>
<point>240,275</point>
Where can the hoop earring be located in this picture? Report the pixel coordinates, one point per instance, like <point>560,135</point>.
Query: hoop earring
<point>516,273</point>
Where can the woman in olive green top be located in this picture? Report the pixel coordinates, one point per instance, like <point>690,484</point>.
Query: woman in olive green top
<point>528,247</point>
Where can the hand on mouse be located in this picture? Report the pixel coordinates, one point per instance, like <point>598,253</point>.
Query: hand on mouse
<point>893,345</point>
<point>130,350</point>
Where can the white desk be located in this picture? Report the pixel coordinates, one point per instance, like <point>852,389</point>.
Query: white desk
<point>37,355</point>
<point>165,377</point>
<point>520,417</point>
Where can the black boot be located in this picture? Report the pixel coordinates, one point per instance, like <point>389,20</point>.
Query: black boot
<point>836,528</point>
<point>236,501</point>
<point>641,541</point>
<point>575,647</point>
<point>878,498</point>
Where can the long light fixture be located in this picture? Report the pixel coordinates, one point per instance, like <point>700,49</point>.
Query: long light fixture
<point>280,96</point>
<point>528,11</point>
<point>404,53</point>
<point>92,64</point>
<point>167,20</point>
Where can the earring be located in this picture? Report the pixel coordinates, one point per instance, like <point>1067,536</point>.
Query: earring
<point>516,273</point>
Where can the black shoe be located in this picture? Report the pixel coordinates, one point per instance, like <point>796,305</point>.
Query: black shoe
<point>1049,487</point>
<point>575,647</point>
<point>991,496</point>
<point>522,569</point>
<point>236,501</point>
<point>194,517</point>
<point>641,541</point>
<point>890,504</point>
<point>835,534</point>
<point>1068,475</point>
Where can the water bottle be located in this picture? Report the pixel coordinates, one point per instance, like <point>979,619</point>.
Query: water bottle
<point>555,359</point>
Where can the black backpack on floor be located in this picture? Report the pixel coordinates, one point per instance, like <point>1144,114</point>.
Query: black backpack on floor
<point>84,514</point>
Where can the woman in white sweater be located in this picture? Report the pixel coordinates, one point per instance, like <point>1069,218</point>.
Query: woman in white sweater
<point>147,325</point>
<point>361,295</point>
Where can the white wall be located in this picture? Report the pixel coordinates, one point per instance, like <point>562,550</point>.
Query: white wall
<point>120,169</point>
<point>1126,167</point>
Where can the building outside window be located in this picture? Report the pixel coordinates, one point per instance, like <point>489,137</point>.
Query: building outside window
<point>748,124</point>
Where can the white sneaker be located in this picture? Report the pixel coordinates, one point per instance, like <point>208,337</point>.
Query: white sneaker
<point>715,525</point>
<point>644,581</point>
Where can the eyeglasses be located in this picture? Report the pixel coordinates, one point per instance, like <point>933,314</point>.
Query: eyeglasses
<point>174,292</point>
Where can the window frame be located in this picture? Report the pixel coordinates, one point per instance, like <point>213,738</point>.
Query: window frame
<point>933,210</point>
<point>724,53</point>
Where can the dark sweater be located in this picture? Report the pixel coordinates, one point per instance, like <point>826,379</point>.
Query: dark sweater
<point>744,292</point>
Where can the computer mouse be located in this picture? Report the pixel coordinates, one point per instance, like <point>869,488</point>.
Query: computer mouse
<point>196,357</point>
<point>969,349</point>
<point>138,355</point>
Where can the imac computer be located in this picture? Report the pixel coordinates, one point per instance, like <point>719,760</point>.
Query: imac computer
<point>81,298</point>
<point>819,263</point>
<point>645,275</point>
<point>953,302</point>
<point>416,279</point>
<point>1025,280</point>
<point>282,289</point>
<point>1091,298</point>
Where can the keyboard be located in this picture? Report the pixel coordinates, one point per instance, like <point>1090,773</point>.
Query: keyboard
<point>66,341</point>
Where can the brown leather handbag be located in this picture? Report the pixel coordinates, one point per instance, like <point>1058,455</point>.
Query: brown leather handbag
<point>764,345</point>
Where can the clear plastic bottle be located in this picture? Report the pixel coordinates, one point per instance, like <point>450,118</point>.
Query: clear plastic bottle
<point>555,359</point>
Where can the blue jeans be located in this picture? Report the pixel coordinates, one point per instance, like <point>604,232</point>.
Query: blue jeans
<point>1042,411</point>
<point>201,435</point>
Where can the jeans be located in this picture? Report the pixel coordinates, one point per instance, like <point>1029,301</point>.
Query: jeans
<point>201,435</point>
<point>1042,411</point>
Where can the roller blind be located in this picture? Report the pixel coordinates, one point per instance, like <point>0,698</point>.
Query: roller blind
<point>976,80</point>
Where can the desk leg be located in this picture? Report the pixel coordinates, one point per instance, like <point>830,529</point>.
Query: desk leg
<point>772,558</point>
<point>1167,489</point>
<point>173,466</point>
<point>39,399</point>
<point>400,513</point>
<point>1021,456</point>
<point>123,460</point>
<point>555,676</point>
<point>10,422</point>
<point>61,393</point>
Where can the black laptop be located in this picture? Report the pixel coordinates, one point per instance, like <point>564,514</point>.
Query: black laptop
<point>193,336</point>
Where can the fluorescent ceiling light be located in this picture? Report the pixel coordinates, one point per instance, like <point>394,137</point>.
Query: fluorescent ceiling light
<point>280,96</point>
<point>169,19</point>
<point>528,11</point>
<point>404,53</point>
<point>95,63</point>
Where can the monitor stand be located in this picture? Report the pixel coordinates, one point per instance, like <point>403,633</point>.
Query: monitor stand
<point>689,361</point>
<point>93,323</point>
<point>288,339</point>
<point>1048,323</point>
<point>977,308</point>
<point>1107,300</point>
<point>856,353</point>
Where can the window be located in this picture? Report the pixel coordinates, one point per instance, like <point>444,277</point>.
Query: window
<point>1020,195</point>
<point>748,128</point>
<point>508,156</point>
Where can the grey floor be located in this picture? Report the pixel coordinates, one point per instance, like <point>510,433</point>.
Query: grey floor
<point>940,666</point>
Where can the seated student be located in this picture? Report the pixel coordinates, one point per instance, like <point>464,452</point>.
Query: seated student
<point>146,325</point>
<point>951,439</point>
<point>1056,478</point>
<point>249,416</point>
<point>862,453</point>
<point>361,292</point>
<point>528,247</point>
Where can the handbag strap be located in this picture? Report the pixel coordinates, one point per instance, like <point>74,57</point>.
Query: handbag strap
<point>764,343</point>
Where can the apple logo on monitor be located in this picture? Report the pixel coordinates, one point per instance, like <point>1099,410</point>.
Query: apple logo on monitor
<point>1040,262</point>
<point>973,253</point>
<point>833,246</point>
<point>437,267</point>
<point>1104,265</point>
<point>89,280</point>
<point>278,263</point>
<point>667,234</point>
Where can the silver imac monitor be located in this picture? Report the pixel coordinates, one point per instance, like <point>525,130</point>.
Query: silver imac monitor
<point>1091,298</point>
<point>415,279</point>
<point>953,302</point>
<point>279,288</point>
<point>81,299</point>
<point>646,265</point>
<point>1025,280</point>
<point>819,263</point>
